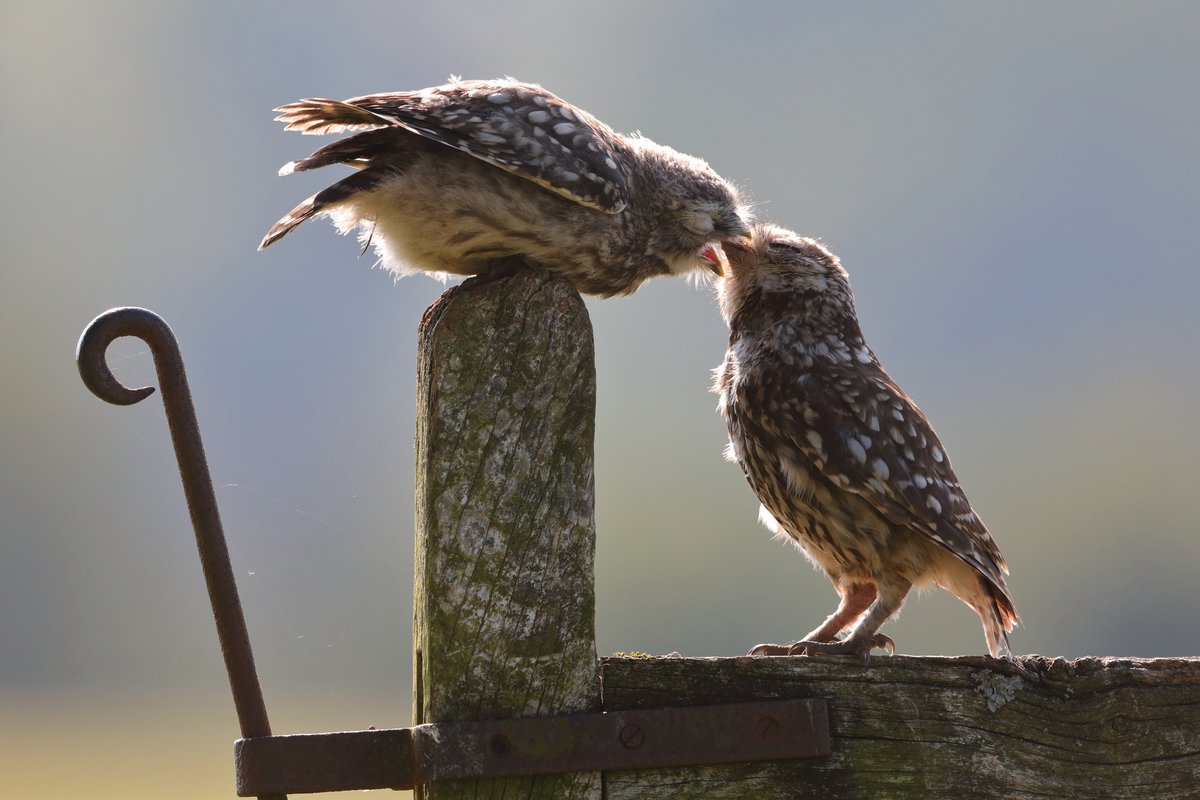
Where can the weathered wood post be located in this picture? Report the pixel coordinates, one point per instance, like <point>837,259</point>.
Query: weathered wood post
<point>963,728</point>
<point>505,530</point>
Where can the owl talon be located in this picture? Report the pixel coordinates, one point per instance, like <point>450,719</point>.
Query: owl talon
<point>852,647</point>
<point>848,647</point>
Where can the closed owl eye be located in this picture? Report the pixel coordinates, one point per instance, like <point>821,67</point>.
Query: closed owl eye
<point>699,222</point>
<point>783,248</point>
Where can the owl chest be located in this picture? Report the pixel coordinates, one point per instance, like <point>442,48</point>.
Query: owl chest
<point>835,529</point>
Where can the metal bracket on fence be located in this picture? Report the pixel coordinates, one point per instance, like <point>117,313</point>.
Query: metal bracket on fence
<point>653,738</point>
<point>270,766</point>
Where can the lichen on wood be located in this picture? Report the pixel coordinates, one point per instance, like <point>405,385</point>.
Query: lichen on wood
<point>504,595</point>
<point>955,728</point>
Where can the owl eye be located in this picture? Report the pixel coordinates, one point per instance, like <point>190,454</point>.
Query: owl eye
<point>699,222</point>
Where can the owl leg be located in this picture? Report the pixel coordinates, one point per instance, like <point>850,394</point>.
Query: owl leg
<point>865,637</point>
<point>856,598</point>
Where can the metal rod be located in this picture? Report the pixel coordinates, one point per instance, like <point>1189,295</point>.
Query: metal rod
<point>197,487</point>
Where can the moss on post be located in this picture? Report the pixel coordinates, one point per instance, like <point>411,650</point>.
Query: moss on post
<point>504,598</point>
<point>960,728</point>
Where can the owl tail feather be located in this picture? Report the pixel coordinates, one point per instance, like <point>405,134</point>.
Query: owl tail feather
<point>999,617</point>
<point>318,115</point>
<point>324,201</point>
<point>358,151</point>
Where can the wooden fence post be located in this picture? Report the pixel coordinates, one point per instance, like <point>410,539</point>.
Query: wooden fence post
<point>504,621</point>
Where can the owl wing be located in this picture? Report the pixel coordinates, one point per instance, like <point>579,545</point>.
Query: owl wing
<point>867,436</point>
<point>518,127</point>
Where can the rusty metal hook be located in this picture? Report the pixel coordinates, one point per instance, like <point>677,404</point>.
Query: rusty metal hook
<point>269,765</point>
<point>197,486</point>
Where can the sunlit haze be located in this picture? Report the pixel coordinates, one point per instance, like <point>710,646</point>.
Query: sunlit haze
<point>1013,189</point>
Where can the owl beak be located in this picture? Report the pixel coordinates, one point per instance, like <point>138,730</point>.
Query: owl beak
<point>738,245</point>
<point>713,259</point>
<point>737,252</point>
<point>738,230</point>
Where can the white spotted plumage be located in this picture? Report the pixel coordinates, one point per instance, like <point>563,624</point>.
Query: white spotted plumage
<point>882,509</point>
<point>605,210</point>
<point>501,128</point>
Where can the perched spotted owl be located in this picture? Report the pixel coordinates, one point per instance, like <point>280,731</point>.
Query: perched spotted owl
<point>844,463</point>
<point>453,177</point>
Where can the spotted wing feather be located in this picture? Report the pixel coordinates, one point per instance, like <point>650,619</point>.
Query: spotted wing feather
<point>323,201</point>
<point>518,127</point>
<point>869,438</point>
<point>318,116</point>
<point>359,151</point>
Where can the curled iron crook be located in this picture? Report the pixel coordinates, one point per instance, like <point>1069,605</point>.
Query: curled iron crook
<point>197,485</point>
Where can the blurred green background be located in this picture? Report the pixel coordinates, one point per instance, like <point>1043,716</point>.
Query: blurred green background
<point>1014,190</point>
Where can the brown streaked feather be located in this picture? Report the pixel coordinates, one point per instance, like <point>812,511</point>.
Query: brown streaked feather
<point>356,151</point>
<point>820,407</point>
<point>520,128</point>
<point>321,201</point>
<point>317,116</point>
<point>843,461</point>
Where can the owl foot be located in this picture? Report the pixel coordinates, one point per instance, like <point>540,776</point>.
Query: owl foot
<point>849,647</point>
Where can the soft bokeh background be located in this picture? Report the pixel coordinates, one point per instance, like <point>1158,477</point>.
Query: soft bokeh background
<point>1014,190</point>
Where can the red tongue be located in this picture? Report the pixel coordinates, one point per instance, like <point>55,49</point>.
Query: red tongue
<point>710,254</point>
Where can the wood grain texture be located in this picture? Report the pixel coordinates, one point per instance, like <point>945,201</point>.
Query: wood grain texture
<point>504,597</point>
<point>961,728</point>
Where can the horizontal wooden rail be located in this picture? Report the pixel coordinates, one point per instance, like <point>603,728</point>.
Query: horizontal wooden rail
<point>929,728</point>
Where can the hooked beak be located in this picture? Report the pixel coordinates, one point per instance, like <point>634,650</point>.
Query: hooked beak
<point>736,250</point>
<point>743,243</point>
<point>735,232</point>
<point>739,231</point>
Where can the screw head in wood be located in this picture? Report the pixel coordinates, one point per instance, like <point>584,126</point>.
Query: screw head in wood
<point>767,727</point>
<point>632,736</point>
